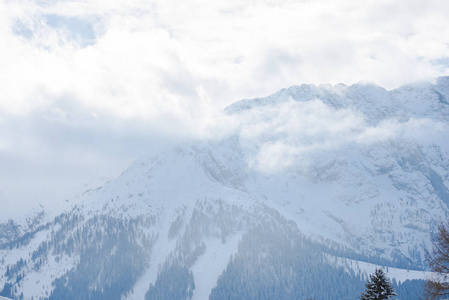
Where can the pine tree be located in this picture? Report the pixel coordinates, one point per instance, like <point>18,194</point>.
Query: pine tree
<point>378,287</point>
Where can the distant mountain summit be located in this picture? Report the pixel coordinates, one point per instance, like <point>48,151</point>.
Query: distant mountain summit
<point>313,187</point>
<point>376,103</point>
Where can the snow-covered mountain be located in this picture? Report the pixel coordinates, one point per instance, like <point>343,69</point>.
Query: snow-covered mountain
<point>304,194</point>
<point>13,229</point>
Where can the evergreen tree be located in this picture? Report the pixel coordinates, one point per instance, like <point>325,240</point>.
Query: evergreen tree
<point>378,287</point>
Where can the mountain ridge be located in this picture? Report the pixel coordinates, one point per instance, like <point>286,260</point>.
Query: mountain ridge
<point>341,95</point>
<point>358,173</point>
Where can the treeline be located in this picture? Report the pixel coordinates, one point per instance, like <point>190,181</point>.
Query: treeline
<point>174,281</point>
<point>274,259</point>
<point>111,259</point>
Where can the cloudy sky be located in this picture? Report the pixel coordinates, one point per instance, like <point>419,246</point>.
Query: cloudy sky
<point>88,86</point>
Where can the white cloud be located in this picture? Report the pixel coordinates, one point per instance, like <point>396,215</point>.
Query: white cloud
<point>113,70</point>
<point>290,134</point>
<point>150,53</point>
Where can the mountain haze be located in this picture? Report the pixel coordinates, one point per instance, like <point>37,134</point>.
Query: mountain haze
<point>300,195</point>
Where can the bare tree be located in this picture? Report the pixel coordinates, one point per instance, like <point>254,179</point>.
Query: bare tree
<point>438,260</point>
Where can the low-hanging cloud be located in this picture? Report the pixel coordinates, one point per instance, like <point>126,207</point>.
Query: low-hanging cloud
<point>102,82</point>
<point>288,135</point>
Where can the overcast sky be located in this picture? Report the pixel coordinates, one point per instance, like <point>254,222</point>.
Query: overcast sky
<point>88,86</point>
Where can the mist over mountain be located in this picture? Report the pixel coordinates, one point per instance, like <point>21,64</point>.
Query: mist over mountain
<point>297,195</point>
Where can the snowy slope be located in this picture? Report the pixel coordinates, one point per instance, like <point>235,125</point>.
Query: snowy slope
<point>376,180</point>
<point>355,173</point>
<point>13,227</point>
